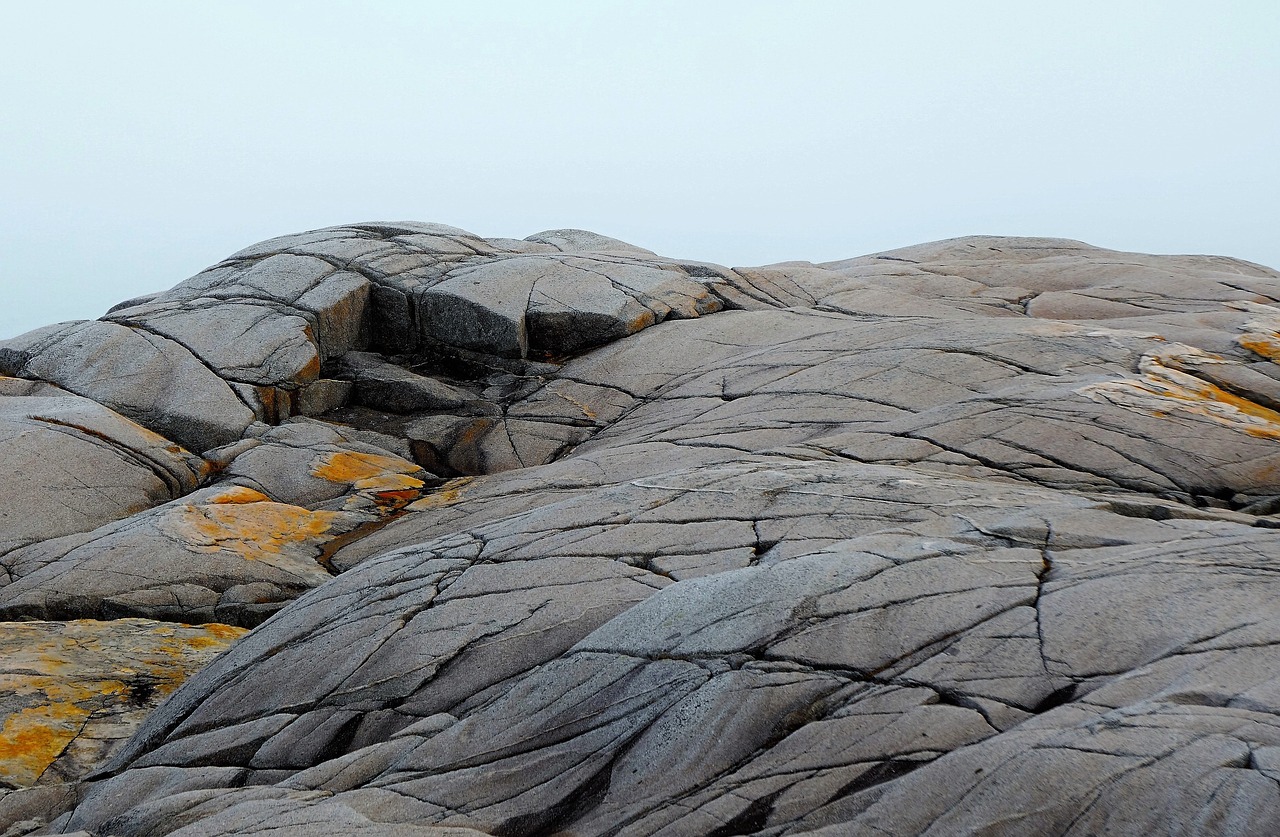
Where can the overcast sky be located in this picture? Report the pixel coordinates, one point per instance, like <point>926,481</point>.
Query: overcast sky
<point>142,141</point>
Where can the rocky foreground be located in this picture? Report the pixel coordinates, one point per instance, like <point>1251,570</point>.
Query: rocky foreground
<point>455,536</point>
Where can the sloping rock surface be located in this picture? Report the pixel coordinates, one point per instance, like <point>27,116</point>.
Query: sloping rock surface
<point>560,536</point>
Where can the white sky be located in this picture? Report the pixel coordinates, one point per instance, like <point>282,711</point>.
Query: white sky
<point>142,141</point>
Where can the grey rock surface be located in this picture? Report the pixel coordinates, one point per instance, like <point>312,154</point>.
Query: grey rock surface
<point>560,536</point>
<point>71,464</point>
<point>151,379</point>
<point>382,385</point>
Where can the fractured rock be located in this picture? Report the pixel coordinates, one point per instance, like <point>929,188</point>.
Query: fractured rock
<point>382,385</point>
<point>147,378</point>
<point>976,536</point>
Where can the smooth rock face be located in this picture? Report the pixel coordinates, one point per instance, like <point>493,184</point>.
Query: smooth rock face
<point>559,536</point>
<point>151,379</point>
<point>71,464</point>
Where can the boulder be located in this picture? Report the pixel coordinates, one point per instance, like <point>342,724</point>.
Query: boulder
<point>72,464</point>
<point>148,378</point>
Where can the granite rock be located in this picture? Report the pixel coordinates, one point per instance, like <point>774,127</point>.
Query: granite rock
<point>71,464</point>
<point>561,536</point>
<point>148,378</point>
<point>72,692</point>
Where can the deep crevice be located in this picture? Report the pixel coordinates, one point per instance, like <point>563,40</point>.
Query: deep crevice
<point>885,771</point>
<point>750,820</point>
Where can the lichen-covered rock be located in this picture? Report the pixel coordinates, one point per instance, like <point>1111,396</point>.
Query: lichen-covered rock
<point>227,555</point>
<point>973,537</point>
<point>72,692</point>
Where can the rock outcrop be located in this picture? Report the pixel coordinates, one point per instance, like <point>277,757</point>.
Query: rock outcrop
<point>445,535</point>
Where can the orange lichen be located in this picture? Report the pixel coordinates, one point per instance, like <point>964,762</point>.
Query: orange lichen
<point>62,677</point>
<point>351,467</point>
<point>236,494</point>
<point>389,482</point>
<point>1266,345</point>
<point>224,632</point>
<point>447,495</point>
<point>252,530</point>
<point>383,480</point>
<point>214,635</point>
<point>1261,334</point>
<point>33,738</point>
<point>641,321</point>
<point>395,499</point>
<point>1163,390</point>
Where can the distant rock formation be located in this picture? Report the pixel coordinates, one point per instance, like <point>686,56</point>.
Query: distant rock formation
<point>453,536</point>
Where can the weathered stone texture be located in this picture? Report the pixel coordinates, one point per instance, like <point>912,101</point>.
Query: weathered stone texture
<point>560,536</point>
<point>71,692</point>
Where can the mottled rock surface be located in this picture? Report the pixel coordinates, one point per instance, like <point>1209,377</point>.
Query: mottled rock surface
<point>71,692</point>
<point>560,536</point>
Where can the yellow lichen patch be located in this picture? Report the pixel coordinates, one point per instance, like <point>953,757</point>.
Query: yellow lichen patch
<point>384,481</point>
<point>351,466</point>
<point>1261,334</point>
<point>1162,391</point>
<point>215,636</point>
<point>236,494</point>
<point>1267,345</point>
<point>32,738</point>
<point>446,495</point>
<point>223,633</point>
<point>388,482</point>
<point>253,530</point>
<point>74,690</point>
